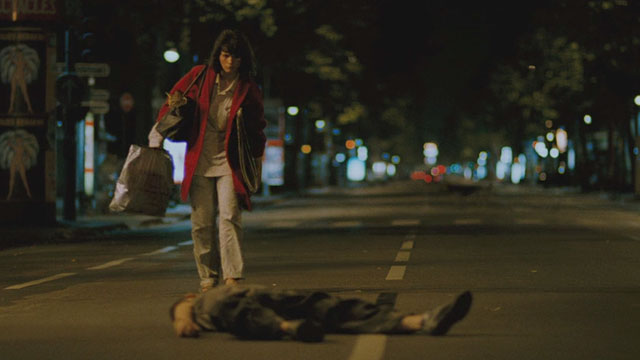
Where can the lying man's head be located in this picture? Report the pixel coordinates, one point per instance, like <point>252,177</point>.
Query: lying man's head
<point>181,313</point>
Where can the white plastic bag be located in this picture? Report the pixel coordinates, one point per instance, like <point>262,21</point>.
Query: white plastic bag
<point>145,183</point>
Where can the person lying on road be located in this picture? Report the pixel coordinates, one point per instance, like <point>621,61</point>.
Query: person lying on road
<point>256,312</point>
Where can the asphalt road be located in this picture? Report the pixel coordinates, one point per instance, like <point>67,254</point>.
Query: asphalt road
<point>554,276</point>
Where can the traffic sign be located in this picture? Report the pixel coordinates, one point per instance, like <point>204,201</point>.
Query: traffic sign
<point>98,94</point>
<point>96,106</point>
<point>92,69</point>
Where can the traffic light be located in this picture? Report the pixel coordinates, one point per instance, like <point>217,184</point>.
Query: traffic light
<point>88,39</point>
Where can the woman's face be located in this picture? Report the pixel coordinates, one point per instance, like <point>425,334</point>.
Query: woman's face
<point>230,64</point>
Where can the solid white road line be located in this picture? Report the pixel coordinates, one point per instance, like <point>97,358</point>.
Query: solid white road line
<point>160,251</point>
<point>185,243</point>
<point>396,272</point>
<point>407,245</point>
<point>403,256</point>
<point>36,282</point>
<point>369,347</point>
<point>405,222</point>
<point>467,221</point>
<point>110,264</point>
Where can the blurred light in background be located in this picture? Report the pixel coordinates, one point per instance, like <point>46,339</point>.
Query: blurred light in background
<point>395,159</point>
<point>320,124</point>
<point>391,170</point>
<point>362,153</point>
<point>571,159</point>
<point>385,156</point>
<point>561,140</point>
<point>340,157</point>
<point>293,110</point>
<point>554,152</point>
<point>356,169</point>
<point>517,171</point>
<point>550,136</point>
<point>336,131</point>
<point>359,142</point>
<point>522,159</point>
<point>561,167</point>
<point>501,170</point>
<point>350,144</point>
<point>171,55</point>
<point>481,172</point>
<point>541,149</point>
<point>506,155</point>
<point>468,173</point>
<point>306,148</point>
<point>548,124</point>
<point>542,176</point>
<point>587,119</point>
<point>636,100</point>
<point>379,168</point>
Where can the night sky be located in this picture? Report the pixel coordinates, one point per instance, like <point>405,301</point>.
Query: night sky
<point>445,51</point>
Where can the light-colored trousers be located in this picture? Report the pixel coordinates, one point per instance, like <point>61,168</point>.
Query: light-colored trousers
<point>221,251</point>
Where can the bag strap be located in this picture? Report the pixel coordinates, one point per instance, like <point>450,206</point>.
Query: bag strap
<point>195,79</point>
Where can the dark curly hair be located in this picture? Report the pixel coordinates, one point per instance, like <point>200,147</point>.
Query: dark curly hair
<point>235,43</point>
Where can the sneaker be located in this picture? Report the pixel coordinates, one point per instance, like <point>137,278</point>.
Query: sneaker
<point>308,331</point>
<point>439,320</point>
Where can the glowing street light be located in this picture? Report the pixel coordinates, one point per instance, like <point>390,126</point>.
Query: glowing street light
<point>636,100</point>
<point>293,110</point>
<point>588,119</point>
<point>171,55</point>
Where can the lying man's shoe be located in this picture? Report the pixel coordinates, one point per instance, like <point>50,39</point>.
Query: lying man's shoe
<point>439,320</point>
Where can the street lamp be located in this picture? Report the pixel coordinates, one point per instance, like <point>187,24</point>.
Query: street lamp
<point>171,55</point>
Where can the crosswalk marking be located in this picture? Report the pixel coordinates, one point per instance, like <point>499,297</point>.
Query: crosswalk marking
<point>37,282</point>
<point>405,222</point>
<point>403,256</point>
<point>110,264</point>
<point>396,272</point>
<point>467,221</point>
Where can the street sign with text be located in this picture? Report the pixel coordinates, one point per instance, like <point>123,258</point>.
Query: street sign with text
<point>92,69</point>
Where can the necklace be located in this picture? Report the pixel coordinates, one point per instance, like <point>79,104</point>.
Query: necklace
<point>219,83</point>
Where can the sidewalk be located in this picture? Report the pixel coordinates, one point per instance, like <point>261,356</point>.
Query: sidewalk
<point>89,226</point>
<point>86,227</point>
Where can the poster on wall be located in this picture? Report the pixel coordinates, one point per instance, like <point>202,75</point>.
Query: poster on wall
<point>23,114</point>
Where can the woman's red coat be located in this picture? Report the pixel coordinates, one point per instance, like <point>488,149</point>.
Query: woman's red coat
<point>248,96</point>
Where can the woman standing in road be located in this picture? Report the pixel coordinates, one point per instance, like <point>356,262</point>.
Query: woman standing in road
<point>212,178</point>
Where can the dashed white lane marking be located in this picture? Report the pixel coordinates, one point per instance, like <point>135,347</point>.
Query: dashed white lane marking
<point>37,282</point>
<point>283,224</point>
<point>343,224</point>
<point>407,245</point>
<point>405,222</point>
<point>396,272</point>
<point>110,264</point>
<point>368,347</point>
<point>467,221</point>
<point>160,251</point>
<point>403,256</point>
<point>185,243</point>
<point>529,221</point>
